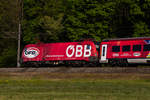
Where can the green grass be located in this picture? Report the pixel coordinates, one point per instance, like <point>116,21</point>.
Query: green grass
<point>35,88</point>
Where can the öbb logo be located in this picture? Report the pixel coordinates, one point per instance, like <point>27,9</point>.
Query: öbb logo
<point>31,52</point>
<point>78,51</point>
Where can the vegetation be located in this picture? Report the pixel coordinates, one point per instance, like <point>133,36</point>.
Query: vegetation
<point>69,20</point>
<point>61,86</point>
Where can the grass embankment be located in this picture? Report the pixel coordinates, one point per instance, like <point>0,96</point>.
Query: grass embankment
<point>74,87</point>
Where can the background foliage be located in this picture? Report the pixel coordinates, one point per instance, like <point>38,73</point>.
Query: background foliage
<point>69,20</point>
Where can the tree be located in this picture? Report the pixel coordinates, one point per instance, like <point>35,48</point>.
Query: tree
<point>8,19</point>
<point>42,20</point>
<point>127,13</point>
<point>141,29</point>
<point>88,19</point>
<point>8,29</point>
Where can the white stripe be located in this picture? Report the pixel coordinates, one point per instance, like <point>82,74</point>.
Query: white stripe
<point>137,60</point>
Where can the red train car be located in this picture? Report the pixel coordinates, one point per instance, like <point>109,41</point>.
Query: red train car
<point>56,53</point>
<point>125,50</point>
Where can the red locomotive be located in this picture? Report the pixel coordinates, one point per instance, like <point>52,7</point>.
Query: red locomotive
<point>113,51</point>
<point>125,50</point>
<point>76,53</point>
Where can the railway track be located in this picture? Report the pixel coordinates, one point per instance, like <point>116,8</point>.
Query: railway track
<point>141,70</point>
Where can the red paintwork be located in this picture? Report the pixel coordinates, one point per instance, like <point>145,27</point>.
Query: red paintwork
<point>57,51</point>
<point>123,42</point>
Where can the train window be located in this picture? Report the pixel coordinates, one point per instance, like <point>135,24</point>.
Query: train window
<point>103,51</point>
<point>125,48</point>
<point>146,47</point>
<point>115,48</point>
<point>136,47</point>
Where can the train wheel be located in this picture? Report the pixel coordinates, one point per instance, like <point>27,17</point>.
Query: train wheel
<point>118,62</point>
<point>123,63</point>
<point>112,62</point>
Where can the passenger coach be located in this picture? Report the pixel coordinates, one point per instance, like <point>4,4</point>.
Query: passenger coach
<point>125,50</point>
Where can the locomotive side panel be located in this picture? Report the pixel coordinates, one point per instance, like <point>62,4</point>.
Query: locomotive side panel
<point>52,53</point>
<point>69,51</point>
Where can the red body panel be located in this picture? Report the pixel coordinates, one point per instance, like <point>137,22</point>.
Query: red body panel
<point>59,51</point>
<point>127,54</point>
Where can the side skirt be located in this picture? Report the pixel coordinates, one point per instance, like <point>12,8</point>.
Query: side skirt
<point>139,60</point>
